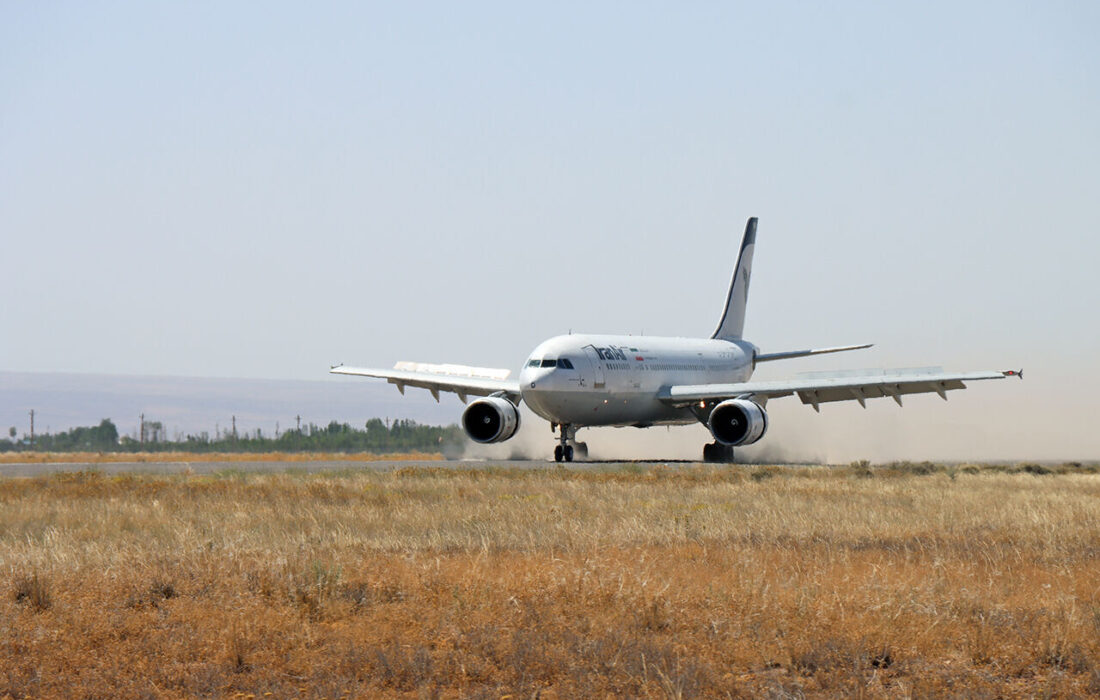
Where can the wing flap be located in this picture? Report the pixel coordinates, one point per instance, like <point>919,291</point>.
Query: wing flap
<point>457,379</point>
<point>829,389</point>
<point>874,391</point>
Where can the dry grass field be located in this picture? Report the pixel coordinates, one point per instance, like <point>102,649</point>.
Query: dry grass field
<point>161,457</point>
<point>902,581</point>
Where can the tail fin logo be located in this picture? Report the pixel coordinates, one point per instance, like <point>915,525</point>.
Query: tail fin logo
<point>733,315</point>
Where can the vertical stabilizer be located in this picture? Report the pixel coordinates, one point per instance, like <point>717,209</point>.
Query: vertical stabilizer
<point>733,316</point>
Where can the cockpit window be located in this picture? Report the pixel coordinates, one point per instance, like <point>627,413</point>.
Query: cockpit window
<point>563,363</point>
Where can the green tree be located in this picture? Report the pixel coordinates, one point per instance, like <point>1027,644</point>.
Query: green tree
<point>106,434</point>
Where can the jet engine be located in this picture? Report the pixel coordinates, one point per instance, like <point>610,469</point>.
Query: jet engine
<point>738,422</point>
<point>492,419</point>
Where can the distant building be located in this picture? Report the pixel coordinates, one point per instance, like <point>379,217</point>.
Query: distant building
<point>153,431</point>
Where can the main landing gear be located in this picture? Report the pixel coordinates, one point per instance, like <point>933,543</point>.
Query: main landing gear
<point>568,445</point>
<point>717,452</point>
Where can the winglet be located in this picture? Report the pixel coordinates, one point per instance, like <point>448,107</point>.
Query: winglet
<point>732,322</point>
<point>1013,373</point>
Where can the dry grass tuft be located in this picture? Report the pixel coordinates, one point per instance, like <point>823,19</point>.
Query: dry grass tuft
<point>877,581</point>
<point>32,591</point>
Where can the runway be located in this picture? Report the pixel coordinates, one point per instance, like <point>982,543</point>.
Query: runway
<point>25,469</point>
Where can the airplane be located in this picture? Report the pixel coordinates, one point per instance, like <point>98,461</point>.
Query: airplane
<point>578,381</point>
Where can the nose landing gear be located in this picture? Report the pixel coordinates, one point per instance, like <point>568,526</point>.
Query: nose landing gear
<point>568,445</point>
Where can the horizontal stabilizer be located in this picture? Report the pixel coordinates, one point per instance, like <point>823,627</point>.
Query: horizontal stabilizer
<point>768,357</point>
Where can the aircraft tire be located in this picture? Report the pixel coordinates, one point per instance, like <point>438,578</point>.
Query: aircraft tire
<point>558,453</point>
<point>568,453</point>
<point>716,453</point>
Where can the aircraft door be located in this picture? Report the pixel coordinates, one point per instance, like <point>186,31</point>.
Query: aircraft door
<point>599,382</point>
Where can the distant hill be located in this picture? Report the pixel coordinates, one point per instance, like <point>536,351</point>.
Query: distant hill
<point>195,404</point>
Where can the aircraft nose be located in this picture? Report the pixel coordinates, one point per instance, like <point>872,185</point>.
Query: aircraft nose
<point>536,375</point>
<point>530,377</point>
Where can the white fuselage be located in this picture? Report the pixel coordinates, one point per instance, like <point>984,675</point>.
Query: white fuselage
<point>615,379</point>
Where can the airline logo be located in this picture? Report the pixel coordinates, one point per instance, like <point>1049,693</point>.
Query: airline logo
<point>613,353</point>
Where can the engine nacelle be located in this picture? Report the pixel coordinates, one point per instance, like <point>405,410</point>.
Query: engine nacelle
<point>738,422</point>
<point>492,419</point>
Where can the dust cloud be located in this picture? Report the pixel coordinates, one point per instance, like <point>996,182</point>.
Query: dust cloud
<point>1043,418</point>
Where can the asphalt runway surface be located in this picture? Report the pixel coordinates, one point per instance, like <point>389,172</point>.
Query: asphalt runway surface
<point>34,469</point>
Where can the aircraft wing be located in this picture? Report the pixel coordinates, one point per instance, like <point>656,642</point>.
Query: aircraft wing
<point>462,380</point>
<point>815,391</point>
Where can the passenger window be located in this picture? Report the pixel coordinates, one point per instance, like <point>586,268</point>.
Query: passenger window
<point>549,363</point>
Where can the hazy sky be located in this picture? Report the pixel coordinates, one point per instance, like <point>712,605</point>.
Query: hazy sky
<point>242,190</point>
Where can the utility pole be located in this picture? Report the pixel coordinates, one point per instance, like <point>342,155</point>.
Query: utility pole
<point>142,433</point>
<point>299,420</point>
<point>32,426</point>
<point>234,427</point>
